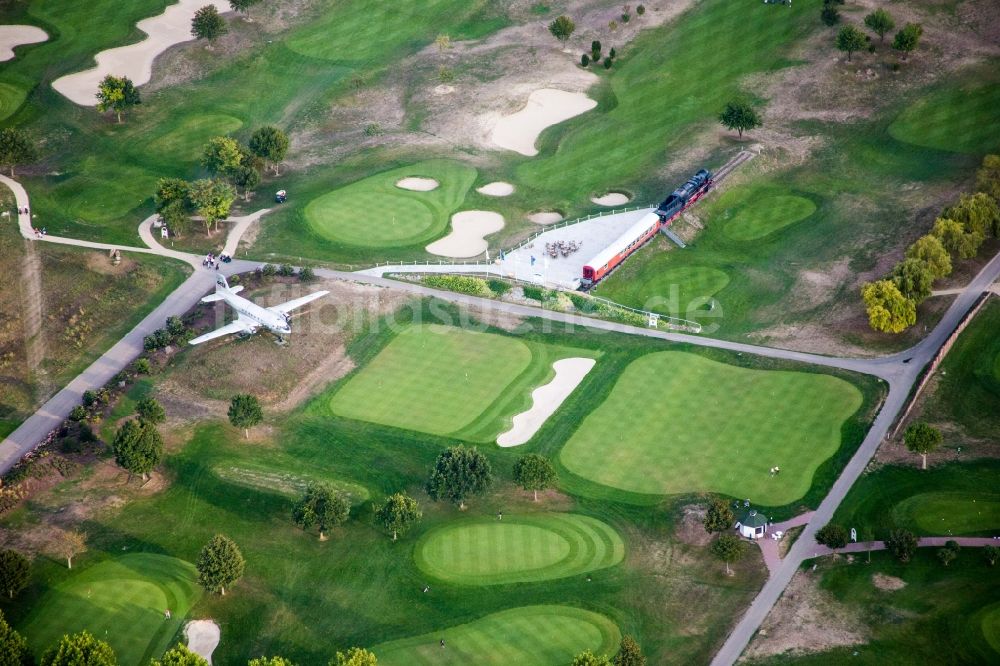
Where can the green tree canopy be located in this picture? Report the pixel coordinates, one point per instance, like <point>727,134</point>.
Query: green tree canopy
<point>211,199</point>
<point>629,653</point>
<point>245,412</point>
<point>15,569</point>
<point>222,155</point>
<point>832,535</point>
<point>208,24</point>
<point>922,438</point>
<point>13,647</point>
<point>880,22</point>
<point>247,178</point>
<point>739,115</point>
<point>458,474</point>
<point>988,178</point>
<point>270,144</point>
<point>978,213</point>
<point>829,15</point>
<point>15,148</point>
<point>170,190</point>
<point>849,40</point>
<point>321,507</point>
<point>992,554</point>
<point>946,555</point>
<point>242,6</point>
<point>179,655</point>
<point>220,564</point>
<point>929,250</point>
<point>534,472</point>
<point>355,657</point>
<point>150,410</point>
<point>902,544</point>
<point>80,649</point>
<point>728,548</point>
<point>138,447</point>
<point>906,39</point>
<point>719,517</point>
<point>889,311</point>
<point>956,240</point>
<point>588,658</point>
<point>118,94</point>
<point>562,28</point>
<point>913,279</point>
<point>397,514</point>
<point>270,661</point>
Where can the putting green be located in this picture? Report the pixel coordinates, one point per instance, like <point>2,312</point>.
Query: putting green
<point>185,142</point>
<point>527,636</point>
<point>121,601</point>
<point>11,99</point>
<point>961,119</point>
<point>518,549</point>
<point>374,212</point>
<point>274,479</point>
<point>761,216</point>
<point>950,513</point>
<point>991,627</point>
<point>677,422</point>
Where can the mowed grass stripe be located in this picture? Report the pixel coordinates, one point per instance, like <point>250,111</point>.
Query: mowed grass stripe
<point>712,427</point>
<point>520,548</point>
<point>527,636</point>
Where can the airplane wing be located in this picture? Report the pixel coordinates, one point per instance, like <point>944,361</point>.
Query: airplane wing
<point>237,326</point>
<point>287,307</point>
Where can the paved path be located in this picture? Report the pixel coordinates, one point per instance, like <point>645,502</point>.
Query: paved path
<point>770,548</point>
<point>923,542</point>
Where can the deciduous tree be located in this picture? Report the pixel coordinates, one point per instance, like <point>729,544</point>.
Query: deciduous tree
<point>15,149</point>
<point>245,412</point>
<point>889,311</point>
<point>922,438</point>
<point>832,535</point>
<point>739,115</point>
<point>14,571</point>
<point>988,178</point>
<point>459,474</point>
<point>992,554</point>
<point>913,279</point>
<point>212,199</point>
<point>849,40</point>
<point>978,213</point>
<point>247,178</point>
<point>880,22</point>
<point>397,513</point>
<point>13,647</point>
<point>68,544</point>
<point>208,24</point>
<point>562,28</point>
<point>728,548</point>
<point>534,472</point>
<point>170,190</point>
<point>118,94</point>
<point>355,657</point>
<point>138,447</point>
<point>719,517</point>
<point>829,15</point>
<point>629,652</point>
<point>180,655</point>
<point>902,544</point>
<point>220,564</point>
<point>321,507</point>
<point>270,661</point>
<point>80,649</point>
<point>906,40</point>
<point>222,156</point>
<point>955,239</point>
<point>929,250</point>
<point>270,144</point>
<point>588,658</point>
<point>242,6</point>
<point>150,410</point>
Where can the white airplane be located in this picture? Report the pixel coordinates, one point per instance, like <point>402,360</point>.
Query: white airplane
<point>250,316</point>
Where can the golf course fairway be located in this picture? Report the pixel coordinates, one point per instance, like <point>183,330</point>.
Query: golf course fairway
<point>526,636</point>
<point>518,548</point>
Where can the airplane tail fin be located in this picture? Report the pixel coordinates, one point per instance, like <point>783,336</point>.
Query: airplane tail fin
<point>221,284</point>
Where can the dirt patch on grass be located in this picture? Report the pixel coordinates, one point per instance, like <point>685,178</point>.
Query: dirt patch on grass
<point>806,619</point>
<point>888,583</point>
<point>691,528</point>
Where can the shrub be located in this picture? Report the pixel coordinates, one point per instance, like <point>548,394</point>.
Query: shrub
<point>286,270</point>
<point>625,18</point>
<point>78,413</point>
<point>142,366</point>
<point>585,60</point>
<point>607,62</point>
<point>268,270</point>
<point>459,283</point>
<point>234,279</point>
<point>498,287</point>
<point>446,75</point>
<point>89,398</point>
<point>534,293</point>
<point>640,10</point>
<point>595,50</point>
<point>613,53</point>
<point>373,129</point>
<point>829,15</point>
<point>306,274</point>
<point>175,325</point>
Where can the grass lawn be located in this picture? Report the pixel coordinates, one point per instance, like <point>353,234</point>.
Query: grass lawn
<point>446,381</point>
<point>374,212</point>
<point>698,425</point>
<point>122,601</point>
<point>944,615</point>
<point>960,499</point>
<point>760,214</point>
<point>959,117</point>
<point>519,548</point>
<point>532,635</point>
<point>282,477</point>
<point>11,98</point>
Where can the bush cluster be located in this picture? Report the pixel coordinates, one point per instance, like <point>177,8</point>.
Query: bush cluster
<point>459,283</point>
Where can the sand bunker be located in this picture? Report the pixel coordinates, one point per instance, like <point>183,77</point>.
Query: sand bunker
<point>135,61</point>
<point>612,199</point>
<point>468,231</point>
<point>202,638</point>
<point>547,399</point>
<point>545,107</point>
<point>417,184</point>
<point>496,189</point>
<point>17,35</point>
<point>545,217</point>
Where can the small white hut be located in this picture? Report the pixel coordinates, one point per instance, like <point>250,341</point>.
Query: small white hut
<point>751,524</point>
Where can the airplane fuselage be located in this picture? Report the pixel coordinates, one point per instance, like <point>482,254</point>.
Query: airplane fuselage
<point>257,316</point>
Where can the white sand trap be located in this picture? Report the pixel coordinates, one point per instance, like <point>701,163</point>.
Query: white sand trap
<point>612,199</point>
<point>545,217</point>
<point>496,189</point>
<point>547,399</point>
<point>468,231</point>
<point>135,61</point>
<point>417,184</point>
<point>202,638</point>
<point>17,35</point>
<point>545,107</point>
